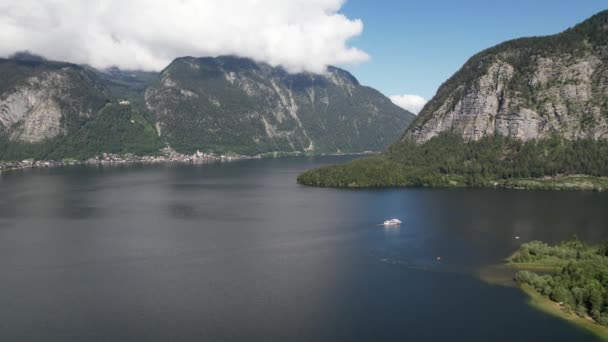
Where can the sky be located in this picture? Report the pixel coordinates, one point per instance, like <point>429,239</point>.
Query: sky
<point>405,49</point>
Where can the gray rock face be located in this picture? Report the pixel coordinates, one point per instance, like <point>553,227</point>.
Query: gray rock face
<point>527,89</point>
<point>31,113</point>
<point>238,105</point>
<point>43,102</point>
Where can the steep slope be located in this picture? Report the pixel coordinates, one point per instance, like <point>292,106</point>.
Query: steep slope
<point>238,105</point>
<point>117,129</point>
<point>527,89</point>
<point>41,100</point>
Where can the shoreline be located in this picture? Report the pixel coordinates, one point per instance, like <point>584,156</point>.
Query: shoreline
<point>538,267</point>
<point>502,275</point>
<point>118,159</point>
<point>558,183</point>
<point>167,156</point>
<point>564,280</point>
<point>555,183</point>
<point>546,305</point>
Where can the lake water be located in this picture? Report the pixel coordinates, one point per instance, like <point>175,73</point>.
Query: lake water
<point>240,252</point>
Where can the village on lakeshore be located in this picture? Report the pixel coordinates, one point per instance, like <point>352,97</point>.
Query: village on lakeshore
<point>167,155</point>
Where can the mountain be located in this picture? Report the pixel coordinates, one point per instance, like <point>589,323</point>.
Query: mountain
<point>527,89</point>
<point>528,113</point>
<point>235,104</point>
<point>55,110</point>
<point>227,104</point>
<point>42,100</point>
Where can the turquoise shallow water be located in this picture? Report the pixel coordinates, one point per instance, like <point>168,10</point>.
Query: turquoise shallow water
<point>240,252</point>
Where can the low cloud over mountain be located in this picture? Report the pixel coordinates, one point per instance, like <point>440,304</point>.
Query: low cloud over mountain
<point>301,35</point>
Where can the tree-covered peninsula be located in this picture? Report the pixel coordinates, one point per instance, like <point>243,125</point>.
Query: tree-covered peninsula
<point>449,160</point>
<point>572,275</point>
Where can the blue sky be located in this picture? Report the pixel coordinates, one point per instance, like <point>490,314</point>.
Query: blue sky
<point>416,45</point>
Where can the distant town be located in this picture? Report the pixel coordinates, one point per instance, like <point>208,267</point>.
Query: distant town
<point>167,155</point>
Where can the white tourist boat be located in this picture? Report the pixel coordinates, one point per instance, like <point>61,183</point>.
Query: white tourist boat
<point>392,222</point>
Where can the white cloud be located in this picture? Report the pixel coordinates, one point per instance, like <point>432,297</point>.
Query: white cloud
<point>148,34</point>
<point>413,103</point>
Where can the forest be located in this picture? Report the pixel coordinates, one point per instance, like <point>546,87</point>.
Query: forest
<point>579,285</point>
<point>449,160</point>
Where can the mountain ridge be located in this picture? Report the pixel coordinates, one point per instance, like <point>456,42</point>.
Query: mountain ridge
<point>44,104</point>
<point>264,108</point>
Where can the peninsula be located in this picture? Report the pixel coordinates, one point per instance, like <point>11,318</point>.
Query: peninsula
<point>568,280</point>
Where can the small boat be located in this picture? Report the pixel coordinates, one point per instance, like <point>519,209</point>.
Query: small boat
<point>392,222</point>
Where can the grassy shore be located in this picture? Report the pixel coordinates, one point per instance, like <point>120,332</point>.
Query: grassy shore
<point>502,275</point>
<point>538,267</point>
<point>548,306</point>
<point>574,182</point>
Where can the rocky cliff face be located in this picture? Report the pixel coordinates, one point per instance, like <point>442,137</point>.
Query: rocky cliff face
<point>235,104</point>
<point>527,89</point>
<point>41,100</point>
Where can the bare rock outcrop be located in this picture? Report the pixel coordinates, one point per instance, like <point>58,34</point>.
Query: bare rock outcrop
<point>46,100</point>
<point>527,89</point>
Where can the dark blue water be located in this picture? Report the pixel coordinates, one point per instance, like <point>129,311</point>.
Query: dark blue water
<point>240,252</point>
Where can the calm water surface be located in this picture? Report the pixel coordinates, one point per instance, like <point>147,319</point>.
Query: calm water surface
<point>240,252</point>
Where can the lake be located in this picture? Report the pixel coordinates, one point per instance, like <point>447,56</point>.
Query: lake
<point>240,252</point>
